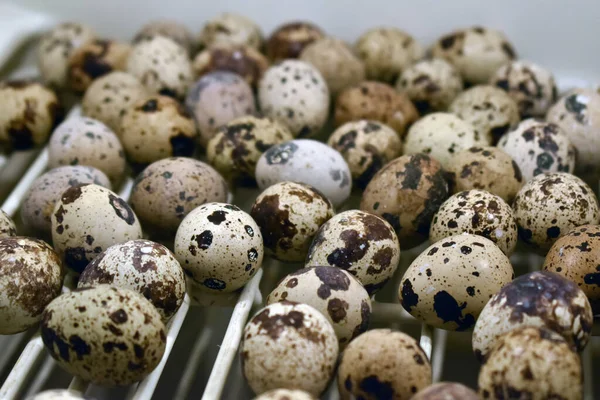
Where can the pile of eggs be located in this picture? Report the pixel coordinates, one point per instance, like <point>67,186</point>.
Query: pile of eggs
<point>462,149</point>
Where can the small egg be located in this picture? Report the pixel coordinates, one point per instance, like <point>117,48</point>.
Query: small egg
<point>30,277</point>
<point>173,30</point>
<point>104,335</point>
<point>333,292</point>
<point>550,205</point>
<point>296,342</point>
<point>7,226</point>
<point>450,282</point>
<point>216,99</point>
<point>361,243</point>
<point>407,192</point>
<point>375,101</point>
<point>143,266</point>
<point>230,29</point>
<point>383,364</point>
<point>531,363</point>
<point>446,391</point>
<point>306,161</point>
<point>386,52</point>
<point>57,394</point>
<point>244,61</point>
<point>87,220</point>
<point>295,93</point>
<point>285,394</point>
<point>366,146</point>
<point>476,52</point>
<point>288,40</point>
<point>289,215</point>
<point>477,212</point>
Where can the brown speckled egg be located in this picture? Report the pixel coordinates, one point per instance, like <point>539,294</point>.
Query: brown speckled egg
<point>288,40</point>
<point>366,146</point>
<point>87,220</point>
<point>386,52</point>
<point>296,342</point>
<point>476,52</point>
<point>486,168</point>
<point>29,113</point>
<point>174,30</point>
<point>446,391</point>
<point>289,215</point>
<point>451,281</point>
<point>477,212</point>
<point>285,394</point>
<point>361,243</point>
<point>375,101</point>
<point>30,277</point>
<point>104,335</point>
<point>57,394</point>
<point>531,363</point>
<point>245,61</point>
<point>238,145</point>
<point>230,29</point>
<point>490,110</point>
<point>143,266</point>
<point>407,192</point>
<point>541,299</point>
<point>382,363</point>
<point>86,141</point>
<point>550,205</point>
<point>7,226</point>
<point>332,291</point>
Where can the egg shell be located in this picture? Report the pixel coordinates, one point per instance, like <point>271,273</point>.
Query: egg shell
<point>7,226</point>
<point>143,266</point>
<point>57,394</point>
<point>446,391</point>
<point>285,394</point>
<point>230,29</point>
<point>288,40</point>
<point>289,215</point>
<point>531,363</point>
<point>30,277</point>
<point>244,61</point>
<point>171,29</point>
<point>550,205</point>
<point>407,192</point>
<point>295,93</point>
<point>289,345</point>
<point>450,282</point>
<point>333,292</point>
<point>382,363</point>
<point>105,335</point>
<point>361,243</point>
<point>87,220</point>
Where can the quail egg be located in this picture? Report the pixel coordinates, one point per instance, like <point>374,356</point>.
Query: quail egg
<point>285,394</point>
<point>57,394</point>
<point>173,30</point>
<point>230,29</point>
<point>7,226</point>
<point>446,391</point>
<point>288,40</point>
<point>244,61</point>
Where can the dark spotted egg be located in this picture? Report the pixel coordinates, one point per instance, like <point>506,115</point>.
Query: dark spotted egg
<point>285,394</point>
<point>230,29</point>
<point>449,283</point>
<point>7,226</point>
<point>174,30</point>
<point>446,391</point>
<point>288,40</point>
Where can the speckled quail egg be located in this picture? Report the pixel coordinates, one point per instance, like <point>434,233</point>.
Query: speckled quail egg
<point>332,291</point>
<point>143,266</point>
<point>386,52</point>
<point>366,146</point>
<point>375,101</point>
<point>30,277</point>
<point>450,282</point>
<point>174,30</point>
<point>490,110</point>
<point>245,61</point>
<point>289,215</point>
<point>306,161</point>
<point>86,141</point>
<point>294,93</point>
<point>336,61</point>
<point>108,98</point>
<point>219,246</point>
<point>407,192</point>
<point>383,364</point>
<point>430,84</point>
<point>361,243</point>
<point>539,147</point>
<point>550,205</point>
<point>477,212</point>
<point>541,299</point>
<point>57,394</point>
<point>157,127</point>
<point>217,98</point>
<point>104,335</point>
<point>230,29</point>
<point>87,220</point>
<point>288,40</point>
<point>167,190</point>
<point>285,394</point>
<point>95,59</point>
<point>56,46</point>
<point>442,135</point>
<point>446,391</point>
<point>238,145</point>
<point>7,226</point>
<point>29,113</point>
<point>289,345</point>
<point>476,52</point>
<point>531,363</point>
<point>486,168</point>
<point>161,65</point>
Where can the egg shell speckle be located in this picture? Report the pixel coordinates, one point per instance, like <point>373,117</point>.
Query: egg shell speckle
<point>446,391</point>
<point>288,40</point>
<point>285,394</point>
<point>230,29</point>
<point>57,394</point>
<point>174,30</point>
<point>245,61</point>
<point>7,226</point>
